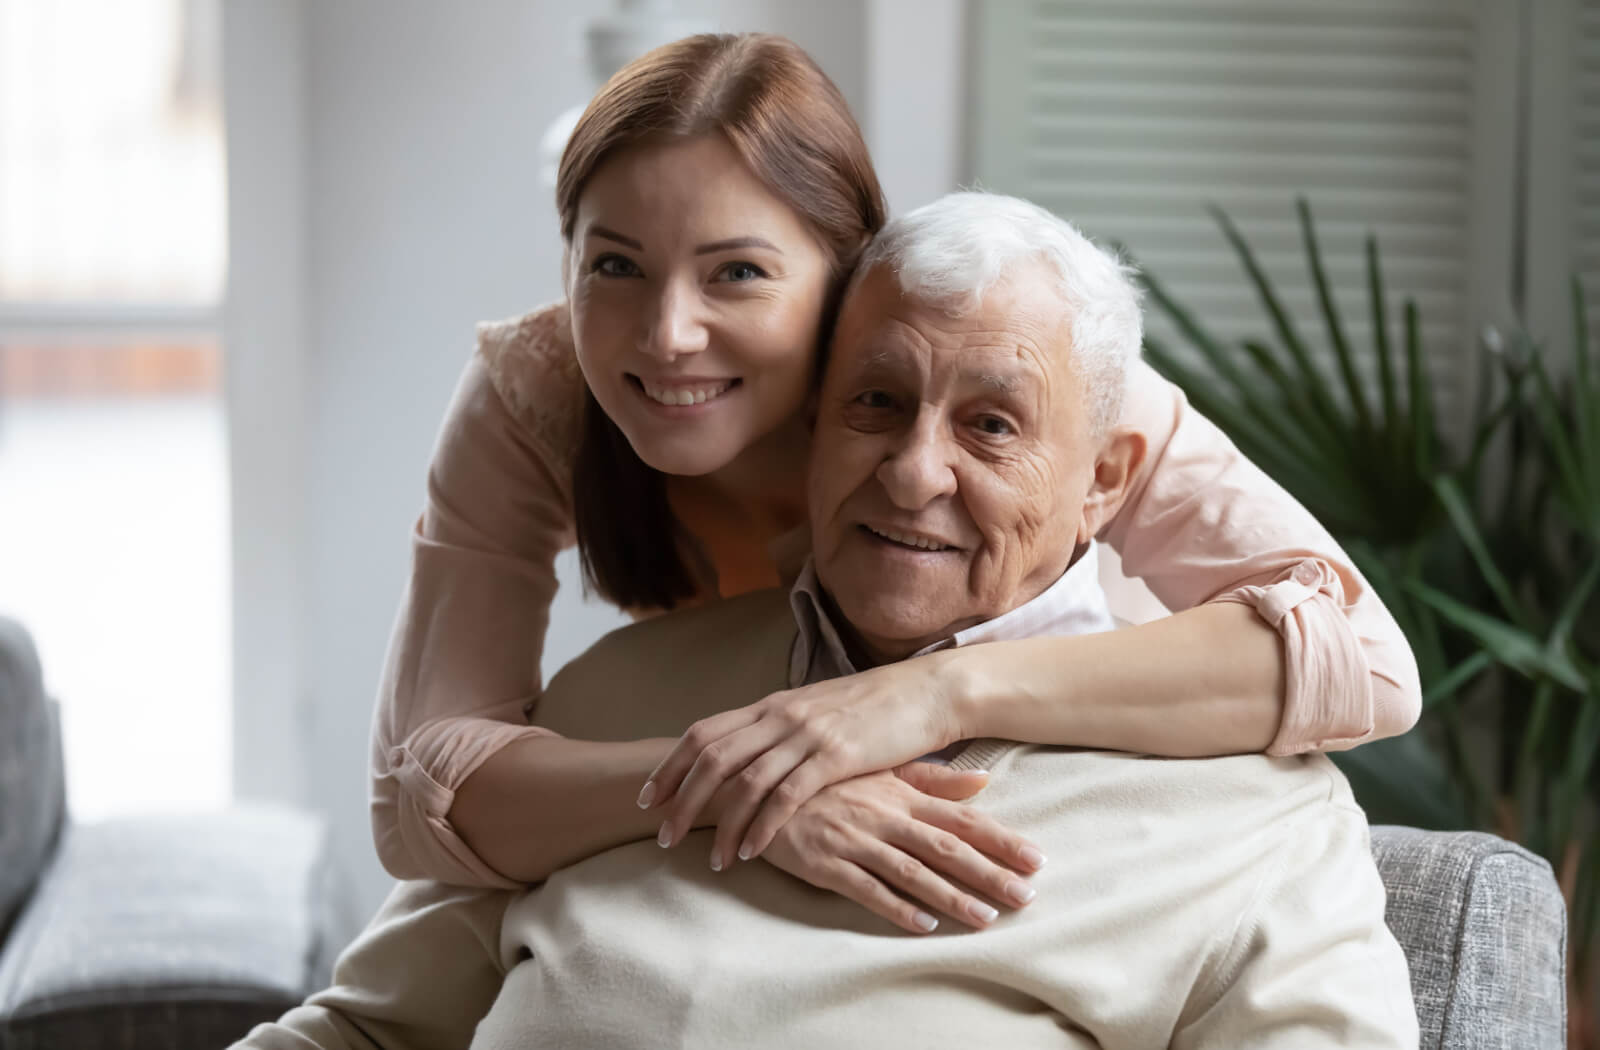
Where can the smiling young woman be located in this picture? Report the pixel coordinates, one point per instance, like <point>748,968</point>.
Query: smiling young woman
<point>714,201</point>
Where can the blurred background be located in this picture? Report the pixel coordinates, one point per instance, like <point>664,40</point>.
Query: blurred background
<point>243,246</point>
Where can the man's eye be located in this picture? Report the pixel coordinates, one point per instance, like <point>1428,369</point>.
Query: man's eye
<point>740,272</point>
<point>994,426</point>
<point>615,266</point>
<point>874,399</point>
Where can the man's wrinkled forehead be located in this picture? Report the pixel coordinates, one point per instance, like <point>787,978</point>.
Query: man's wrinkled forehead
<point>992,368</point>
<point>1004,342</point>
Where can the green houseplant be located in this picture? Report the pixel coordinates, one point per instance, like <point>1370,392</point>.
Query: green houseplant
<point>1486,550</point>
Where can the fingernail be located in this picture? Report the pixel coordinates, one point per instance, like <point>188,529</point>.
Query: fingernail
<point>980,772</point>
<point>1032,857</point>
<point>982,912</point>
<point>716,862</point>
<point>647,795</point>
<point>664,836</point>
<point>1020,891</point>
<point>925,922</point>
<point>745,851</point>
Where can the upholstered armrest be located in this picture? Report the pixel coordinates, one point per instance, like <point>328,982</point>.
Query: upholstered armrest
<point>171,932</point>
<point>1484,930</point>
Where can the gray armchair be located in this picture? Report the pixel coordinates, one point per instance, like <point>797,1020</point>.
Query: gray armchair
<point>1484,930</point>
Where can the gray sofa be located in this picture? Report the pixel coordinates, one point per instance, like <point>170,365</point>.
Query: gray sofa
<point>135,933</point>
<point>186,932</point>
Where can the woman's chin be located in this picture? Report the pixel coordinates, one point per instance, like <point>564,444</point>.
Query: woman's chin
<point>684,459</point>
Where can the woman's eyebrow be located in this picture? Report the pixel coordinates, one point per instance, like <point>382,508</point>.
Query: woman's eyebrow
<point>613,235</point>
<point>734,243</point>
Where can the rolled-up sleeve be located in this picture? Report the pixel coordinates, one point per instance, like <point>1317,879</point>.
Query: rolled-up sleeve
<point>464,656</point>
<point>1202,523</point>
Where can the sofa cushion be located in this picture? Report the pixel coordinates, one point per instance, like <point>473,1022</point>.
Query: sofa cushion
<point>31,784</point>
<point>1484,930</point>
<point>171,932</point>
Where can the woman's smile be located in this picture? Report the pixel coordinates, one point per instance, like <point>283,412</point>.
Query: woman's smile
<point>686,393</point>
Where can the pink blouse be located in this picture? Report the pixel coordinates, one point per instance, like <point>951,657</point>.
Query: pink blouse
<point>1200,524</point>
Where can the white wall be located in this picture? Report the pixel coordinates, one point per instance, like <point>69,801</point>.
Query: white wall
<point>385,193</point>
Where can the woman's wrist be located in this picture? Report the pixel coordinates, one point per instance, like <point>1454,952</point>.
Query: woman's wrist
<point>544,802</point>
<point>968,688</point>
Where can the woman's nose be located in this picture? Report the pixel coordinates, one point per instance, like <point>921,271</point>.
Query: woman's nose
<point>919,469</point>
<point>676,329</point>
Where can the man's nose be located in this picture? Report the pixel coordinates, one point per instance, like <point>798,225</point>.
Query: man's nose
<point>676,327</point>
<point>920,469</point>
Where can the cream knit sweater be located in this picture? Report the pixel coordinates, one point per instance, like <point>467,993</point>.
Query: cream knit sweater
<point>1217,903</point>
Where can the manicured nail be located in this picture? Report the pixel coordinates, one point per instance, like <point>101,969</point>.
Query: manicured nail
<point>745,851</point>
<point>1020,891</point>
<point>982,912</point>
<point>664,836</point>
<point>716,862</point>
<point>925,922</point>
<point>1032,857</point>
<point>647,795</point>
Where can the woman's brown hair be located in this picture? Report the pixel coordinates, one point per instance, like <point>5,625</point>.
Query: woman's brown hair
<point>790,125</point>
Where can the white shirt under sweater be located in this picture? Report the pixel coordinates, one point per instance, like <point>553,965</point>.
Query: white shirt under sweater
<point>1226,902</point>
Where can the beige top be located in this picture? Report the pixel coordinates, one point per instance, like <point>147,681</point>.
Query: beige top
<point>1201,523</point>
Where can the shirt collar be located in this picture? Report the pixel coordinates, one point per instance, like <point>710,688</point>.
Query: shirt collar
<point>1074,604</point>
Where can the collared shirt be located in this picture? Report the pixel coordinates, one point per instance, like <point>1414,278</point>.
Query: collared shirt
<point>1074,604</point>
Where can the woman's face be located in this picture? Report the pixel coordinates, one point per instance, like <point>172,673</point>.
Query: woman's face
<point>696,298</point>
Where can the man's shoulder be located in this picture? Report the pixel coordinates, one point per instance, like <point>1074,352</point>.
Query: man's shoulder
<point>656,676</point>
<point>662,637</point>
<point>1226,794</point>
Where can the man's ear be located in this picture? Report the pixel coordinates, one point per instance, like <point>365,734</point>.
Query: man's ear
<point>1121,456</point>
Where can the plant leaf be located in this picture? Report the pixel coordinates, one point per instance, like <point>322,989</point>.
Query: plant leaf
<point>1572,475</point>
<point>1459,675</point>
<point>1393,425</point>
<point>1514,647</point>
<point>1420,393</point>
<point>1401,780</point>
<point>1330,315</point>
<point>1315,383</point>
<point>1561,630</point>
<point>1583,747</point>
<point>1455,505</point>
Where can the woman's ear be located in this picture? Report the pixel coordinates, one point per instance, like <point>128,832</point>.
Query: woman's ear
<point>1115,469</point>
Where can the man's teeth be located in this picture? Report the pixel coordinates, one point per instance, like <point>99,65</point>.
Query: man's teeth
<point>684,395</point>
<point>906,539</point>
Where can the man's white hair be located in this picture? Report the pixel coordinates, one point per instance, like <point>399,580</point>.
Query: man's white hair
<point>953,251</point>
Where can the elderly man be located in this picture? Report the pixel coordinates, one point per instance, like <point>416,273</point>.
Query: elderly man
<point>964,458</point>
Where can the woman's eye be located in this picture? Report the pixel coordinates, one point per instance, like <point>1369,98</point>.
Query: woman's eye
<point>615,266</point>
<point>740,272</point>
<point>994,426</point>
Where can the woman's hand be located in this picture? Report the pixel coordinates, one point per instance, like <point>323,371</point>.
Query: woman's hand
<point>873,835</point>
<point>777,753</point>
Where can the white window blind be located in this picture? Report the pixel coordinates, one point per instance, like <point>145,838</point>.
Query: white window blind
<point>1587,159</point>
<point>1129,118</point>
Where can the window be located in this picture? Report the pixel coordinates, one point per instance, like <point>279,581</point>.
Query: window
<point>113,479</point>
<point>1130,118</point>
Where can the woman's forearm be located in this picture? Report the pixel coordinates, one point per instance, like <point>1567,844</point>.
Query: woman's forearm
<point>542,803</point>
<point>1206,681</point>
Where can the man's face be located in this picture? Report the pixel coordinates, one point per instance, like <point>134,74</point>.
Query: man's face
<point>952,460</point>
